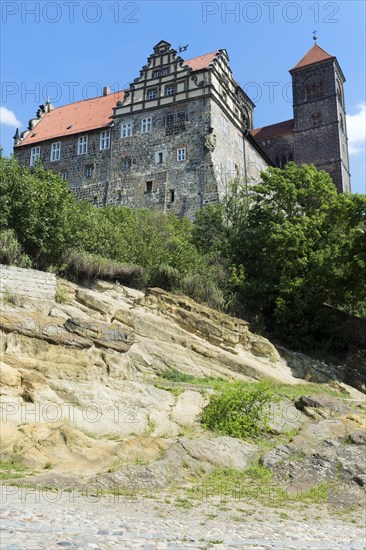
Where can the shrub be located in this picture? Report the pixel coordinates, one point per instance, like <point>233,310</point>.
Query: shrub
<point>11,251</point>
<point>165,277</point>
<point>82,265</point>
<point>238,409</point>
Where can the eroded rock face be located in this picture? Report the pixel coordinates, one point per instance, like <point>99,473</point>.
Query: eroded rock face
<point>78,391</point>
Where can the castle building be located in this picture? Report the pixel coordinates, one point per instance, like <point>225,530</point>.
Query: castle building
<point>183,130</point>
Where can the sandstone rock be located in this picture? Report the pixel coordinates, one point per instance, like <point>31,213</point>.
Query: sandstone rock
<point>359,437</point>
<point>110,336</point>
<point>283,416</point>
<point>189,405</point>
<point>9,376</point>
<point>222,452</point>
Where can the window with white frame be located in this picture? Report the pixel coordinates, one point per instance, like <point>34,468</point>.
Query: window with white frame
<point>35,155</point>
<point>146,125</point>
<point>82,145</point>
<point>169,90</point>
<point>126,164</point>
<point>89,171</point>
<point>55,151</point>
<point>151,94</point>
<point>64,176</point>
<point>181,154</point>
<point>126,129</point>
<point>105,139</point>
<point>224,125</point>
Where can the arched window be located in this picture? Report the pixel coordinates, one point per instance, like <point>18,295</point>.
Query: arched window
<point>316,119</point>
<point>277,162</point>
<point>341,121</point>
<point>290,157</point>
<point>315,90</point>
<point>283,161</point>
<point>339,94</point>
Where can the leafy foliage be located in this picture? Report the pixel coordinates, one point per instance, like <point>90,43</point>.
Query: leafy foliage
<point>238,409</point>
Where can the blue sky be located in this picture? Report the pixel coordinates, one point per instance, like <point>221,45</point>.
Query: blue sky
<point>69,50</point>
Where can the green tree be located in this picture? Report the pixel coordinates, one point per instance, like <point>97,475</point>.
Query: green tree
<point>296,244</point>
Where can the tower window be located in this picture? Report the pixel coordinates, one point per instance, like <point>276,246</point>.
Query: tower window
<point>126,164</point>
<point>314,91</point>
<point>172,198</point>
<point>149,186</point>
<point>316,119</point>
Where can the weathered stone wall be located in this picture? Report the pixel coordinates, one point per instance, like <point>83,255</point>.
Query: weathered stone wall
<point>278,147</point>
<point>28,283</point>
<point>324,144</point>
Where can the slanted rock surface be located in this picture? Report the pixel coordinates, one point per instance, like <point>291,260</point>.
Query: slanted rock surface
<point>83,396</point>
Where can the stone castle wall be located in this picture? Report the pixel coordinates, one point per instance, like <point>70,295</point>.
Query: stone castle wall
<point>27,283</point>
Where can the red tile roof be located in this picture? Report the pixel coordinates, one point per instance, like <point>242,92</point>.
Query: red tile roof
<point>314,55</point>
<point>272,130</point>
<point>202,61</point>
<point>90,114</point>
<point>74,118</point>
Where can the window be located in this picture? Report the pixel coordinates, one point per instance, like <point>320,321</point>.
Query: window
<point>224,125</point>
<point>341,121</point>
<point>126,129</point>
<point>160,158</point>
<point>173,118</point>
<point>161,72</point>
<point>95,200</point>
<point>82,145</point>
<point>146,125</point>
<point>181,154</point>
<point>89,171</point>
<point>126,164</point>
<point>169,90</point>
<point>105,140</point>
<point>35,155</point>
<point>149,186</point>
<point>316,119</point>
<point>314,91</point>
<point>151,94</point>
<point>230,167</point>
<point>172,195</point>
<point>64,176</point>
<point>55,151</point>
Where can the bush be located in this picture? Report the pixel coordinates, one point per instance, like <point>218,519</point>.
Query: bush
<point>165,277</point>
<point>11,251</point>
<point>238,409</point>
<point>82,265</point>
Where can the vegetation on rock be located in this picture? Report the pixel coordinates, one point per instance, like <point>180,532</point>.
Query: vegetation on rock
<point>273,257</point>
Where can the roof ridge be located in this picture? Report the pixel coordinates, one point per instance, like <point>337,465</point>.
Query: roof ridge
<point>86,99</point>
<point>203,55</point>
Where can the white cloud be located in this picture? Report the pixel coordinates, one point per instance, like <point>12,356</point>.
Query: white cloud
<point>8,117</point>
<point>356,129</point>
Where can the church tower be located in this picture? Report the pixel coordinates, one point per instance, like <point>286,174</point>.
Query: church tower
<point>320,133</point>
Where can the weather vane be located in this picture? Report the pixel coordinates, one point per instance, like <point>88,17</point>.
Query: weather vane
<point>315,38</point>
<point>182,48</point>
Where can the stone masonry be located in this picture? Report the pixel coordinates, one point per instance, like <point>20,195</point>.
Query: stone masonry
<point>27,283</point>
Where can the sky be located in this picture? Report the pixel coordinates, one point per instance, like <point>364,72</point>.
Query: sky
<point>68,50</point>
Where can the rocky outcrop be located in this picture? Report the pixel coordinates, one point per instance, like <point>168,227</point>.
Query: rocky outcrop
<point>82,393</point>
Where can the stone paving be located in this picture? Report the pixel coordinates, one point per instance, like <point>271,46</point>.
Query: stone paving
<point>38,520</point>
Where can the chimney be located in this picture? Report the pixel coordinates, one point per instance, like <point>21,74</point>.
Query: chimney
<point>106,90</point>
